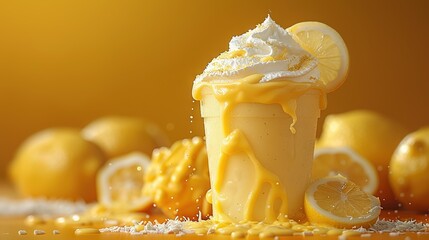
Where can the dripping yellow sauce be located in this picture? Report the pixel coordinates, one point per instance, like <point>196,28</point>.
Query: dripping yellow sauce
<point>264,188</point>
<point>236,143</point>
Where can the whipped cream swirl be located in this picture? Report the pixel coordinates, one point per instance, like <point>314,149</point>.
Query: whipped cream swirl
<point>268,49</point>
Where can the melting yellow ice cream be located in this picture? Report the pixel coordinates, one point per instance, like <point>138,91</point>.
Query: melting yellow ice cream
<point>259,152</point>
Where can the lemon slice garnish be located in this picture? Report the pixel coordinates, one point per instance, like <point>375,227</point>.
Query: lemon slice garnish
<point>120,183</point>
<point>338,202</point>
<point>348,163</point>
<point>325,44</point>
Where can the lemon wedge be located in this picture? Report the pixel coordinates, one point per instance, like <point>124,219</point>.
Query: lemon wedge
<point>327,46</point>
<point>348,163</point>
<point>120,183</point>
<point>338,202</point>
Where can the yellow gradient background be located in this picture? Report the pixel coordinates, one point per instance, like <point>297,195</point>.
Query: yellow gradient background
<point>65,63</point>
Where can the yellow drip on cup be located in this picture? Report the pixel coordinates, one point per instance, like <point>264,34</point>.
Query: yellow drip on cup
<point>260,139</point>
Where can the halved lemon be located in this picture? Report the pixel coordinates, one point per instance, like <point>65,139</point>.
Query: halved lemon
<point>338,202</point>
<point>120,183</point>
<point>325,44</point>
<point>346,162</point>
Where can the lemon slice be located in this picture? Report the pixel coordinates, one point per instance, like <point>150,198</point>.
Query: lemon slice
<point>325,44</point>
<point>338,202</point>
<point>120,183</point>
<point>346,162</point>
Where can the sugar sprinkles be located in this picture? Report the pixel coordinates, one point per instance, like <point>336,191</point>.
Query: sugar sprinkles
<point>399,226</point>
<point>178,227</point>
<point>170,226</point>
<point>38,232</point>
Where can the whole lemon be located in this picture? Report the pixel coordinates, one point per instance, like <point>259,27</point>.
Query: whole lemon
<point>120,135</point>
<point>409,171</point>
<point>370,134</point>
<point>57,163</point>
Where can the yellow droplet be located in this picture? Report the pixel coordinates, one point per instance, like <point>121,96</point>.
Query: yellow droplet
<point>82,231</point>
<point>33,220</point>
<point>238,234</point>
<point>139,228</point>
<point>334,232</point>
<point>349,233</point>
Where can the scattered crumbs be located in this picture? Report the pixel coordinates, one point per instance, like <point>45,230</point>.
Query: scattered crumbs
<point>398,226</point>
<point>22,232</point>
<point>82,231</point>
<point>170,226</point>
<point>180,228</point>
<point>56,232</point>
<point>38,232</point>
<point>361,230</point>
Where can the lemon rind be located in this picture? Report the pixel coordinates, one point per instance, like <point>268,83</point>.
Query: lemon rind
<point>373,176</point>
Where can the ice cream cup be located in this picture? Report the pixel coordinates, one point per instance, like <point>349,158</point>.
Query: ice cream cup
<point>287,155</point>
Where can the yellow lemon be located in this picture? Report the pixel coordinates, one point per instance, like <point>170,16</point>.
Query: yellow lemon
<point>120,183</point>
<point>178,179</point>
<point>409,171</point>
<point>337,202</point>
<point>57,163</point>
<point>347,163</point>
<point>371,135</point>
<point>327,46</point>
<point>119,135</point>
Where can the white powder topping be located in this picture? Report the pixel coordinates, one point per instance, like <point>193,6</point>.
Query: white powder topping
<point>394,228</point>
<point>170,226</point>
<point>399,226</point>
<point>13,207</point>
